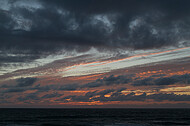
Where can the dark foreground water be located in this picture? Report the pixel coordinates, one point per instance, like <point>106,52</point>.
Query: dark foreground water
<point>94,117</point>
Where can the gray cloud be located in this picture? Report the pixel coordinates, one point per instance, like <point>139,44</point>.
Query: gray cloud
<point>21,85</point>
<point>184,79</point>
<point>35,96</point>
<point>107,81</point>
<point>169,97</point>
<point>13,90</point>
<point>21,82</point>
<point>55,94</point>
<point>69,87</point>
<point>24,82</point>
<point>40,27</point>
<point>146,81</point>
<point>65,87</point>
<point>32,96</point>
<point>121,89</point>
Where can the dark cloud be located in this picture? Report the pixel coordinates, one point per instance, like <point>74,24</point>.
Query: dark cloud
<point>55,94</point>
<point>169,97</point>
<point>121,89</point>
<point>158,75</point>
<point>22,84</point>
<point>104,92</point>
<point>32,96</point>
<point>69,87</point>
<point>4,58</point>
<point>35,96</point>
<point>43,88</point>
<point>41,27</point>
<point>118,92</point>
<point>13,90</point>
<point>184,79</point>
<point>58,87</point>
<point>107,81</point>
<point>144,82</point>
<point>166,81</point>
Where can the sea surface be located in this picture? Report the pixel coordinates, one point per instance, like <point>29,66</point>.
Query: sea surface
<point>94,117</point>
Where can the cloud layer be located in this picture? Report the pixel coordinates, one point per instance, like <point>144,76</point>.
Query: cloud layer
<point>58,39</point>
<point>114,89</point>
<point>32,29</point>
<point>39,25</point>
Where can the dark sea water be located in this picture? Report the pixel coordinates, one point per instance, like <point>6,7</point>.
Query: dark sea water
<point>94,117</point>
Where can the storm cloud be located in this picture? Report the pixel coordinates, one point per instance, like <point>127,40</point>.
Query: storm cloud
<point>35,29</point>
<point>39,26</point>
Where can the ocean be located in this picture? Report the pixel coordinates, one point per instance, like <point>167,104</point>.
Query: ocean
<point>94,117</point>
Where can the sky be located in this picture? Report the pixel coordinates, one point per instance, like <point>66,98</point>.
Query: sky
<point>95,53</point>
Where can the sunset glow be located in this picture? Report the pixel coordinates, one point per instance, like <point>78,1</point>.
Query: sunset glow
<point>94,54</point>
